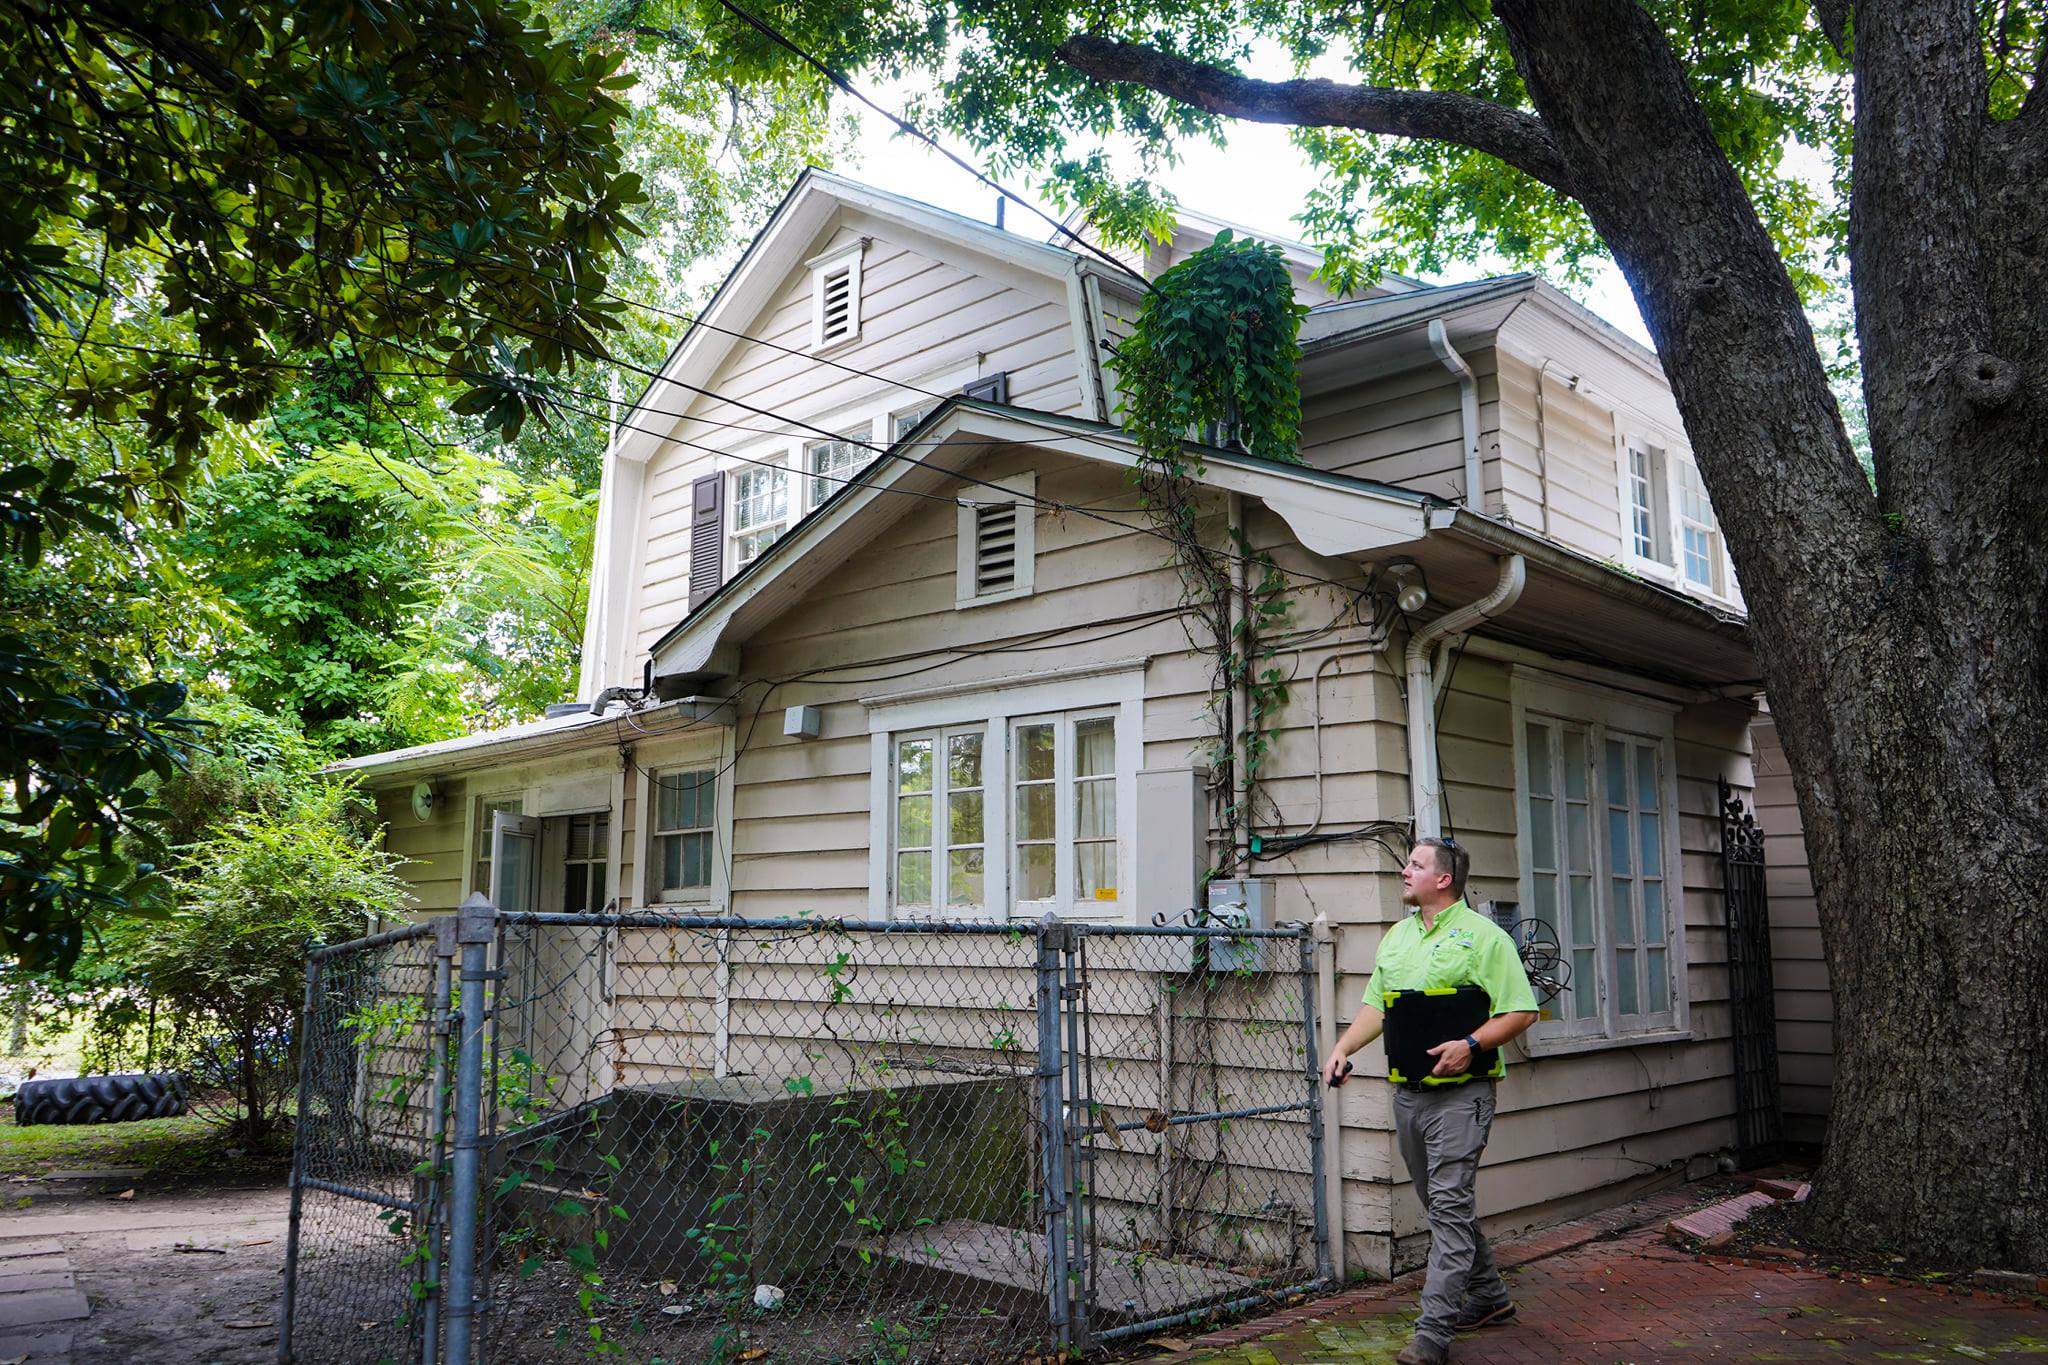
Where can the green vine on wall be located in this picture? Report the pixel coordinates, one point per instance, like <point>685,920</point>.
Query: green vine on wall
<point>1213,358</point>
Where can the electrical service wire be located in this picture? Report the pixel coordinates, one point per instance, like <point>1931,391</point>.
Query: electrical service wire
<point>601,357</point>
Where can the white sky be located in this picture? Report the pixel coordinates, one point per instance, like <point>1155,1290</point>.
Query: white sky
<point>1260,180</point>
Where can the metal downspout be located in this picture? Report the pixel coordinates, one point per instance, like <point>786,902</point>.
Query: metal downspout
<point>1468,409</point>
<point>1241,689</point>
<point>1424,783</point>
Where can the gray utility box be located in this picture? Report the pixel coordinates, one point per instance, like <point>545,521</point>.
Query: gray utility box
<point>781,1179</point>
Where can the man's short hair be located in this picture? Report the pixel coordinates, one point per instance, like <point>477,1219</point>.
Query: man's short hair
<point>1452,858</point>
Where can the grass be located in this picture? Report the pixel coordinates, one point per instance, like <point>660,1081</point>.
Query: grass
<point>182,1150</point>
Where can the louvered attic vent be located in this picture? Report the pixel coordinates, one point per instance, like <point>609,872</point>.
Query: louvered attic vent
<point>995,548</point>
<point>836,305</point>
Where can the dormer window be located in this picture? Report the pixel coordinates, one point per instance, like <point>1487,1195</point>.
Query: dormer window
<point>996,541</point>
<point>835,297</point>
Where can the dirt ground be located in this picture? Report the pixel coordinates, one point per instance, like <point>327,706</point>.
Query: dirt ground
<point>176,1259</point>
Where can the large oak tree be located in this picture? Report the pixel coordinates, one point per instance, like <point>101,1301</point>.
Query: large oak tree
<point>1899,618</point>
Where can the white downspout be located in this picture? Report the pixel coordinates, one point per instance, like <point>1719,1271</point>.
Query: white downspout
<point>1468,409</point>
<point>1424,784</point>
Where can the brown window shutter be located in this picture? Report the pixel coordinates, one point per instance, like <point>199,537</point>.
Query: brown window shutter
<point>707,537</point>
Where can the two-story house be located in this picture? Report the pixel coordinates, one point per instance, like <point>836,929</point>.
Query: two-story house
<point>870,548</point>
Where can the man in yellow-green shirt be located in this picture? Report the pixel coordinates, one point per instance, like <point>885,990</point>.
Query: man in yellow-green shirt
<point>1442,1121</point>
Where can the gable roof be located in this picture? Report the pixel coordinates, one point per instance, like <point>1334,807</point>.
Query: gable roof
<point>1328,513</point>
<point>1573,596</point>
<point>779,249</point>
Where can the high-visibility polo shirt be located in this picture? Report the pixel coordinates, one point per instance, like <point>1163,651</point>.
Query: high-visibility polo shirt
<point>1463,948</point>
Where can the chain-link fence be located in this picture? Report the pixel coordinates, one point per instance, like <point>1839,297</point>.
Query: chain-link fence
<point>694,1139</point>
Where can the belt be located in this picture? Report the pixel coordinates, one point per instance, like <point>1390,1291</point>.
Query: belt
<point>1421,1088</point>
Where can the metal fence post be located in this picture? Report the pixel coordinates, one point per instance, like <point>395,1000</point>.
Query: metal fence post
<point>1053,1132</point>
<point>433,1204</point>
<point>291,1237</point>
<point>1312,1065</point>
<point>475,927</point>
<point>1078,1121</point>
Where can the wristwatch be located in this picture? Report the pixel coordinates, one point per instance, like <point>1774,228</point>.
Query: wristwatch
<point>1472,1041</point>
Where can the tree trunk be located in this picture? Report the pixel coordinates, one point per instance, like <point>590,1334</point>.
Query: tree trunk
<point>1900,635</point>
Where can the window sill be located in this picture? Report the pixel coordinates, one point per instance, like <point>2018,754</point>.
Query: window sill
<point>990,599</point>
<point>1565,1047</point>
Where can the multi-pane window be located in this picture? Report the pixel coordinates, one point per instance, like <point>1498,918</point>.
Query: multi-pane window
<point>901,423</point>
<point>1698,534</point>
<point>1645,505</point>
<point>1560,850</point>
<point>941,814</point>
<point>760,510</point>
<point>1635,869</point>
<point>681,843</point>
<point>1064,835</point>
<point>584,862</point>
<point>1595,840</point>
<point>832,463</point>
<point>1016,815</point>
<point>485,809</point>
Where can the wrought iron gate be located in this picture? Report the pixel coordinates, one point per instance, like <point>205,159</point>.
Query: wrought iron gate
<point>1759,1119</point>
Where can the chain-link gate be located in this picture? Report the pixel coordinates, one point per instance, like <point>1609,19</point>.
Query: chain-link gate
<point>537,1137</point>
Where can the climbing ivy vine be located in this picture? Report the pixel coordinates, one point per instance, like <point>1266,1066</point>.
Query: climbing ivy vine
<point>1213,358</point>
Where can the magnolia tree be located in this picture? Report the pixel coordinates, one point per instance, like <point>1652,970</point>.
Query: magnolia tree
<point>1897,613</point>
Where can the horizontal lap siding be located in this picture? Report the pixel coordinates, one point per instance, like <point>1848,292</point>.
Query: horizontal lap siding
<point>1799,967</point>
<point>801,806</point>
<point>1571,1125</point>
<point>923,321</point>
<point>1401,429</point>
<point>1561,446</point>
<point>436,863</point>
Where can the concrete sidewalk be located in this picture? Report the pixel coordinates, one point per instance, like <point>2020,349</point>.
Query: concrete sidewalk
<point>1609,1290</point>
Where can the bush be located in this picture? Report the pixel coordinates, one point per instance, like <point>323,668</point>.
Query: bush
<point>230,963</point>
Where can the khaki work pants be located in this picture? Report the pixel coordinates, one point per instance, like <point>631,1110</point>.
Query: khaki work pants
<point>1442,1131</point>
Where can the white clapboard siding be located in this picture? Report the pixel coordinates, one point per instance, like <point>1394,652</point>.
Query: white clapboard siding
<point>436,866</point>
<point>1799,968</point>
<point>923,323</point>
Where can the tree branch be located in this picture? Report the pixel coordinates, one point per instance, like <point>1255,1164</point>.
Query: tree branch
<point>1514,137</point>
<point>1834,20</point>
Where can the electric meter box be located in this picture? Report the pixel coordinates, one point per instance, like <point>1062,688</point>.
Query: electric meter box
<point>1239,903</point>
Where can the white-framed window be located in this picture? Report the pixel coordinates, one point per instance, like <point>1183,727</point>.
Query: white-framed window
<point>829,464</point>
<point>682,840</point>
<point>1596,800</point>
<point>997,541</point>
<point>904,420</point>
<point>1645,503</point>
<point>760,510</point>
<point>1007,804</point>
<point>1699,535</point>
<point>586,861</point>
<point>486,806</point>
<point>835,297</point>
<point>941,817</point>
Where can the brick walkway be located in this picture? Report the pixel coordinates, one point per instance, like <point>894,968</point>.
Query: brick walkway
<point>1609,1291</point>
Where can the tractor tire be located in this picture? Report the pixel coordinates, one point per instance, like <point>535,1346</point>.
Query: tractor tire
<point>99,1099</point>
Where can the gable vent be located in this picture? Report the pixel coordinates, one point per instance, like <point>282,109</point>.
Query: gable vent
<point>995,547</point>
<point>835,304</point>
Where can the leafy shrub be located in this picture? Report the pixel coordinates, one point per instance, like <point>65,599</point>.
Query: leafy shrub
<point>230,963</point>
